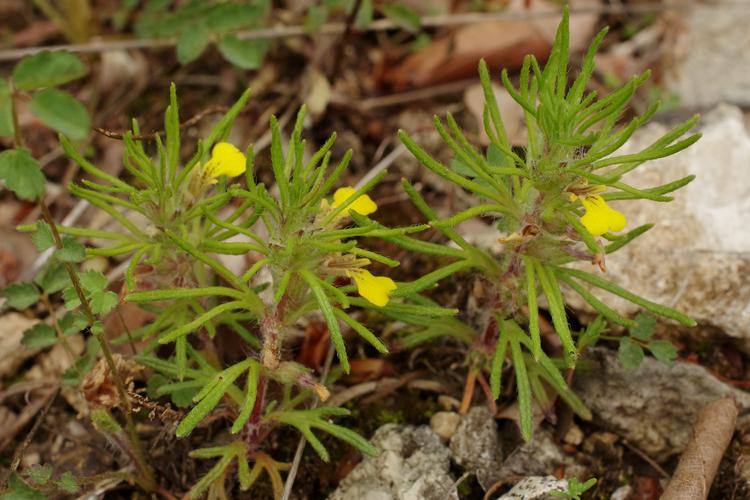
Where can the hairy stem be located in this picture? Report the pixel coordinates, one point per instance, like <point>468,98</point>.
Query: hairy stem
<point>148,482</point>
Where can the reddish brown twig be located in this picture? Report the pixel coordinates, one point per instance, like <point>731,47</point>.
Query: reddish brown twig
<point>152,136</point>
<point>699,462</point>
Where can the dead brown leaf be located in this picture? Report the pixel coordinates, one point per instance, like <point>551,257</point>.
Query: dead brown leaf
<point>369,369</point>
<point>98,386</point>
<point>12,352</point>
<point>501,42</point>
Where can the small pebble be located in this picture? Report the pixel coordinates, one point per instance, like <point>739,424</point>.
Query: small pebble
<point>574,435</point>
<point>444,424</point>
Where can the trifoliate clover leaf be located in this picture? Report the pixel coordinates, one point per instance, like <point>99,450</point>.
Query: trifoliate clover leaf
<point>71,251</point>
<point>21,173</point>
<point>663,350</point>
<point>644,326</point>
<point>42,237</point>
<point>21,295</point>
<point>47,69</point>
<point>39,336</point>
<point>630,354</point>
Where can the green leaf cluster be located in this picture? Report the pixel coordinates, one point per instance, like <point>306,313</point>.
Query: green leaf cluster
<point>197,24</point>
<point>39,75</point>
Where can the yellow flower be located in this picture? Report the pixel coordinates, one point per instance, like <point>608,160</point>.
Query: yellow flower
<point>600,217</point>
<point>376,289</point>
<point>363,205</point>
<point>225,160</point>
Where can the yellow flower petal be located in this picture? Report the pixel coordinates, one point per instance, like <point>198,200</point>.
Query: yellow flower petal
<point>376,289</point>
<point>600,217</point>
<point>225,160</point>
<point>363,205</point>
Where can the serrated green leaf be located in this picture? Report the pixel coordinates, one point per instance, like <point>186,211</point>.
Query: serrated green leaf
<point>103,301</point>
<point>40,474</point>
<point>92,280</point>
<point>19,490</point>
<point>42,236</point>
<point>67,482</point>
<point>71,251</point>
<point>644,326</point>
<point>192,43</point>
<point>630,354</point>
<point>70,297</point>
<point>21,173</point>
<point>47,69</point>
<point>6,109</point>
<point>403,15</point>
<point>21,295</point>
<point>62,112</point>
<point>53,278</point>
<point>39,336</point>
<point>245,54</point>
<point>663,350</point>
<point>72,323</point>
<point>98,327</point>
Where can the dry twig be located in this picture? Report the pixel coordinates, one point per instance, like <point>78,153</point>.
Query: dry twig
<point>699,462</point>
<point>337,28</point>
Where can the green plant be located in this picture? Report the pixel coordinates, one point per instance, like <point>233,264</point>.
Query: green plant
<point>35,78</point>
<point>197,24</point>
<point>549,202</point>
<point>575,489</point>
<point>304,254</point>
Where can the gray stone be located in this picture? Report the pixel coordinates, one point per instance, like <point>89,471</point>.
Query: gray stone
<point>535,488</point>
<point>540,456</point>
<point>412,464</point>
<point>711,54</point>
<point>654,406</point>
<point>697,257</point>
<point>476,445</point>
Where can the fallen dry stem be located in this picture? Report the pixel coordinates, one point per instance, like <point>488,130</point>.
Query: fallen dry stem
<point>699,462</point>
